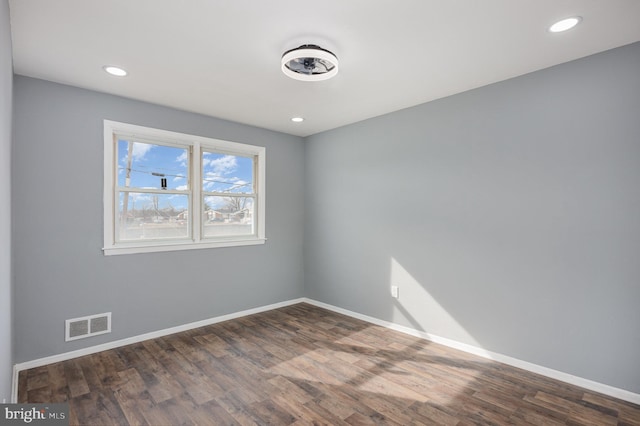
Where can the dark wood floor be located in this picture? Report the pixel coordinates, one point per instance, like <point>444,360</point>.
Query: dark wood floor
<point>305,365</point>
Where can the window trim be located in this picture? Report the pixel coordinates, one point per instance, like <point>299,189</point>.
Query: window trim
<point>196,144</point>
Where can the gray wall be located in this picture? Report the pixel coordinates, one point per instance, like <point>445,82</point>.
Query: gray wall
<point>6,95</point>
<point>508,215</point>
<point>60,271</point>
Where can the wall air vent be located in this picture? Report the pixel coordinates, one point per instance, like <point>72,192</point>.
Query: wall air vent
<point>92,325</point>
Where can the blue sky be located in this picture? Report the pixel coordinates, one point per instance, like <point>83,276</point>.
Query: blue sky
<point>221,172</point>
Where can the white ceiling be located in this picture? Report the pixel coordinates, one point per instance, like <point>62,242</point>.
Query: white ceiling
<point>222,57</point>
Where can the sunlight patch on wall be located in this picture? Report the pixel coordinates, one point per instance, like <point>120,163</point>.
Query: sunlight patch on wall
<point>416,308</point>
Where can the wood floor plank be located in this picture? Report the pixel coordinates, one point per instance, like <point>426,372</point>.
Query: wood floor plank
<point>238,408</point>
<point>428,413</point>
<point>302,365</point>
<point>38,378</point>
<point>75,378</point>
<point>57,383</point>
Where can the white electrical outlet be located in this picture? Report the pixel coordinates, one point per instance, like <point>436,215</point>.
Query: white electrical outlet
<point>395,291</point>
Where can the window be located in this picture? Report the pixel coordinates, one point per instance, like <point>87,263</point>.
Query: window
<point>171,191</point>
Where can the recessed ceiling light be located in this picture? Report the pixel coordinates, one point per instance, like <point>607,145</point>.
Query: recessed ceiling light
<point>117,71</point>
<point>309,63</point>
<point>297,119</point>
<point>565,24</point>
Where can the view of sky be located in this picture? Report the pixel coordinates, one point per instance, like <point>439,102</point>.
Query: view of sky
<point>150,164</point>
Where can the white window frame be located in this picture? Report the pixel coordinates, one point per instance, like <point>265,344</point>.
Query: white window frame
<point>195,144</point>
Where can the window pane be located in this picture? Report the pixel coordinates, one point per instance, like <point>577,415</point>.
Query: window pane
<point>145,165</point>
<point>145,216</point>
<point>227,173</point>
<point>225,216</point>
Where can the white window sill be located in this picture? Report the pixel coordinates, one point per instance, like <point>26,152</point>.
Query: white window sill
<point>134,248</point>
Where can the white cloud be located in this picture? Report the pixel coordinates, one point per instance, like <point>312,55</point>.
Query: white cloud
<point>137,153</point>
<point>222,165</point>
<point>182,187</point>
<point>240,185</point>
<point>182,159</point>
<point>140,150</point>
<point>134,198</point>
<point>209,185</point>
<point>215,202</point>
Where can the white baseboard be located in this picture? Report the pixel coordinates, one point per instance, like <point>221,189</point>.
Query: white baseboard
<point>514,362</point>
<point>544,371</point>
<point>17,368</point>
<point>14,385</point>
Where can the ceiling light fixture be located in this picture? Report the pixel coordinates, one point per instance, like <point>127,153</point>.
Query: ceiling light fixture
<point>297,119</point>
<point>117,71</point>
<point>309,63</point>
<point>565,24</point>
